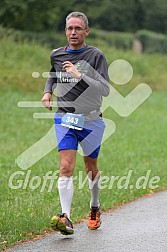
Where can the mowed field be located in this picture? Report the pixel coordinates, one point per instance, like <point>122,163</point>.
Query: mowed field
<point>132,159</point>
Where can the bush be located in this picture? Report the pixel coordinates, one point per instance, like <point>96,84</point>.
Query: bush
<point>152,42</point>
<point>27,36</point>
<point>96,37</point>
<point>120,40</point>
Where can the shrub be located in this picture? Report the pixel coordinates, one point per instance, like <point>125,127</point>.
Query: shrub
<point>48,40</point>
<point>120,40</point>
<point>152,42</point>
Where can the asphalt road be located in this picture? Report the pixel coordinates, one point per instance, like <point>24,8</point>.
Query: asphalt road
<point>140,226</point>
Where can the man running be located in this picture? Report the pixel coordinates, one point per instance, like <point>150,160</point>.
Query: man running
<point>79,74</point>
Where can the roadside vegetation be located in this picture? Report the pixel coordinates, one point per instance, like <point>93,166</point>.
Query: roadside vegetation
<point>138,144</point>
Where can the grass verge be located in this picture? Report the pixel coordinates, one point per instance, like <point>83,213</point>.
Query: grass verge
<point>138,145</point>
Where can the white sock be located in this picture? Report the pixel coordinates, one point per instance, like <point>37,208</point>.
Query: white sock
<point>94,187</point>
<point>66,191</point>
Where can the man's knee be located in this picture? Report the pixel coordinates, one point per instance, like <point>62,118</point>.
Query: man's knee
<point>91,168</point>
<point>66,168</point>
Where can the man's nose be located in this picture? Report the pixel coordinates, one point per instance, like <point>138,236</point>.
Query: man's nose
<point>73,31</point>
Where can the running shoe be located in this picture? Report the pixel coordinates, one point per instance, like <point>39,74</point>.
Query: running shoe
<point>63,224</point>
<point>94,221</point>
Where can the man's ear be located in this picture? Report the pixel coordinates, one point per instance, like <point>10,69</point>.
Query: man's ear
<point>87,32</point>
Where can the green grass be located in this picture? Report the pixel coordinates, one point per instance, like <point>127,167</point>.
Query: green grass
<point>138,143</point>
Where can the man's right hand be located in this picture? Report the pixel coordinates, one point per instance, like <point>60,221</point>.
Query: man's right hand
<point>47,101</point>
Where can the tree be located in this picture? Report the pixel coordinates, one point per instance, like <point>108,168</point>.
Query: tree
<point>114,15</point>
<point>32,15</point>
<point>155,15</point>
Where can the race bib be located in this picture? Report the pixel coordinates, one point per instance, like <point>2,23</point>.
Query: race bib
<point>73,121</point>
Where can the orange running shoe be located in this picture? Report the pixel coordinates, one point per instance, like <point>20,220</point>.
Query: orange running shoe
<point>63,224</point>
<point>94,221</point>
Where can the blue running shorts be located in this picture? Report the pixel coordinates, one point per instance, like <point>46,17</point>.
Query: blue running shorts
<point>89,137</point>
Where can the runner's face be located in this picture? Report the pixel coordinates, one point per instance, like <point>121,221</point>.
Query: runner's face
<point>76,32</point>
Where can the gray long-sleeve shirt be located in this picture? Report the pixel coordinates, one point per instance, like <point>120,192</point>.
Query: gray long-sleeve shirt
<point>79,96</point>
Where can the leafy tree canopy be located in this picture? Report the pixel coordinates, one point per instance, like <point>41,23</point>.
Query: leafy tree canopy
<point>113,15</point>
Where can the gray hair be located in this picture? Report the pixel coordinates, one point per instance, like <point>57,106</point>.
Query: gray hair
<point>78,15</point>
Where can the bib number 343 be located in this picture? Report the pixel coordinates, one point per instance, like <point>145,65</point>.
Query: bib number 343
<point>73,121</point>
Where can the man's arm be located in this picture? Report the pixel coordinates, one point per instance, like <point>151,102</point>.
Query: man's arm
<point>51,81</point>
<point>48,90</point>
<point>97,77</point>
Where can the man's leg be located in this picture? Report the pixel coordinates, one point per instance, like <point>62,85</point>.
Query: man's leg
<point>65,182</point>
<point>94,185</point>
<point>62,222</point>
<point>67,146</point>
<point>93,178</point>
